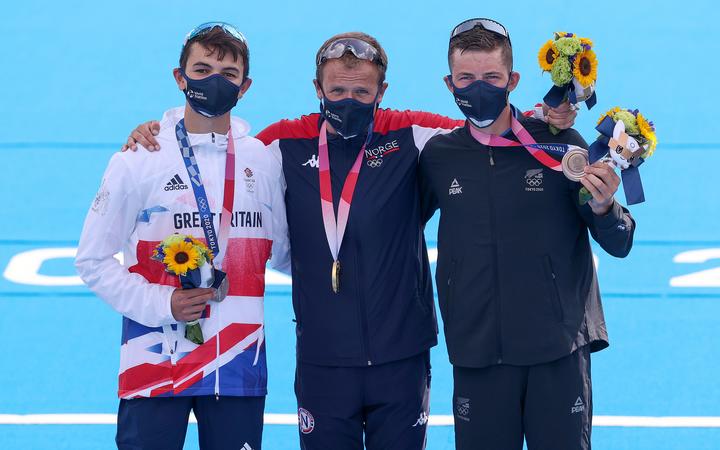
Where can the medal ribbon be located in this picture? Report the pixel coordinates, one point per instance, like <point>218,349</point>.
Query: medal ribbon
<point>335,228</point>
<point>538,151</point>
<point>213,240</point>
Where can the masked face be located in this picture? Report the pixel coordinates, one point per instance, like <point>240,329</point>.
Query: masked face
<point>481,82</point>
<point>481,102</point>
<point>348,117</point>
<point>211,96</point>
<point>349,95</point>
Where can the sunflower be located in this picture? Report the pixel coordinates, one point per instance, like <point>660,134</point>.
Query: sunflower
<point>181,257</point>
<point>647,131</point>
<point>585,68</point>
<point>547,55</point>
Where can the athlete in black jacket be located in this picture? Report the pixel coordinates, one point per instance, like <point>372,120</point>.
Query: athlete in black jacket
<point>517,287</point>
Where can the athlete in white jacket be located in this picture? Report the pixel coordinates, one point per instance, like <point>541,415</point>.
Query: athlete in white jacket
<point>146,197</point>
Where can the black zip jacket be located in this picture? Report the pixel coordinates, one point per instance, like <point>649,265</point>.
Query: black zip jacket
<point>515,274</point>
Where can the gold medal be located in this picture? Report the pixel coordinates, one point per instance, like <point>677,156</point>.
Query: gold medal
<point>335,274</point>
<point>574,162</point>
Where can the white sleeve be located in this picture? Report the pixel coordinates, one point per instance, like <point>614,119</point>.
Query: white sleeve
<point>280,259</point>
<point>108,226</point>
<point>421,135</point>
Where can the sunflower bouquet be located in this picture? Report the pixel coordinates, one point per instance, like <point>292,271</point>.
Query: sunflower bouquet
<point>572,64</point>
<point>626,140</point>
<point>191,260</point>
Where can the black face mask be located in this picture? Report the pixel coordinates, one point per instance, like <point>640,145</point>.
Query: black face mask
<point>348,116</point>
<point>481,102</point>
<point>212,96</point>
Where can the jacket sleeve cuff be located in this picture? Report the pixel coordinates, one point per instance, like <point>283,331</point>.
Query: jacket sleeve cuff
<point>165,309</point>
<point>611,218</point>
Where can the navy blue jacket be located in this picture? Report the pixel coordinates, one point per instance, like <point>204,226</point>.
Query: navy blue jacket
<point>515,275</point>
<point>384,311</point>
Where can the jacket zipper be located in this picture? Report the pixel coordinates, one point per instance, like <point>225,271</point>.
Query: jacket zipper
<point>363,313</point>
<point>498,306</point>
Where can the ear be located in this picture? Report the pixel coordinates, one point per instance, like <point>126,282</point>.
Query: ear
<point>448,83</point>
<point>619,129</point>
<point>244,86</point>
<point>514,81</point>
<point>179,79</point>
<point>381,92</point>
<point>318,89</point>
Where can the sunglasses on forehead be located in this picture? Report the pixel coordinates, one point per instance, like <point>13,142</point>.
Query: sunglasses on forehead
<point>358,47</point>
<point>485,24</point>
<point>207,27</point>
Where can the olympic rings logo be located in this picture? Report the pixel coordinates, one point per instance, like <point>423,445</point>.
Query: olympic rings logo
<point>375,163</point>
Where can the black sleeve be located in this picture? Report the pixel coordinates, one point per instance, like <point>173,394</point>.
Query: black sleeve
<point>428,199</point>
<point>615,230</point>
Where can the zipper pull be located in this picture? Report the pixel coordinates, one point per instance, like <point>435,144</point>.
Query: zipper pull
<point>217,397</point>
<point>492,160</point>
<point>212,134</point>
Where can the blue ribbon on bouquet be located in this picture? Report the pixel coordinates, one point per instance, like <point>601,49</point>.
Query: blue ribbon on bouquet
<point>632,184</point>
<point>558,94</point>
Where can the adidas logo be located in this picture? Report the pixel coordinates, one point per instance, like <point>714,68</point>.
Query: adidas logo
<point>246,447</point>
<point>579,406</point>
<point>455,187</point>
<point>175,184</point>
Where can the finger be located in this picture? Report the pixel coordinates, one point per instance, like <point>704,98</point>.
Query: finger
<point>124,148</point>
<point>155,127</point>
<point>606,174</point>
<point>140,138</point>
<point>197,309</point>
<point>601,193</point>
<point>149,134</point>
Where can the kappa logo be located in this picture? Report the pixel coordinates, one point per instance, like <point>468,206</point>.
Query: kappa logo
<point>578,407</point>
<point>375,155</point>
<point>306,421</point>
<point>462,408</point>
<point>313,162</point>
<point>534,180</point>
<point>175,184</point>
<point>422,420</point>
<point>455,187</point>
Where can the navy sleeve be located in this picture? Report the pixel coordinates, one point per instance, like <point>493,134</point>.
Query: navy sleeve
<point>428,199</point>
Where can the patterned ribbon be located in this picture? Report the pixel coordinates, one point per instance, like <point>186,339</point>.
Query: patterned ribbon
<point>335,228</point>
<point>193,171</point>
<point>538,151</point>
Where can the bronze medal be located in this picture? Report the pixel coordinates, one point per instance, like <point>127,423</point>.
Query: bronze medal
<point>574,162</point>
<point>335,274</point>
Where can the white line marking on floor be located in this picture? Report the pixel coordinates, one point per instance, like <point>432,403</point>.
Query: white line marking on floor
<point>435,420</point>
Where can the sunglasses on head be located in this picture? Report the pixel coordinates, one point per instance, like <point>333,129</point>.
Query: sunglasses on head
<point>206,27</point>
<point>485,24</point>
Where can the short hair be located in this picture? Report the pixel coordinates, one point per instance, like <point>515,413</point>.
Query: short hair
<point>217,41</point>
<point>480,39</point>
<point>351,60</point>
